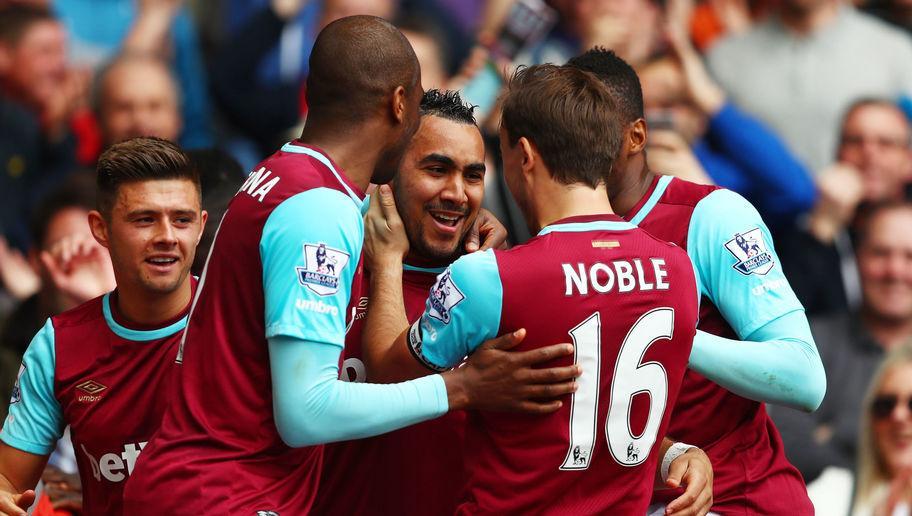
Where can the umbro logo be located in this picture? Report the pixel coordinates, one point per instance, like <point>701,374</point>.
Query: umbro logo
<point>91,388</point>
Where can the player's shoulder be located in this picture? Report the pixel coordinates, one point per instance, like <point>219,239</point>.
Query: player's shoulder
<point>89,313</point>
<point>687,193</point>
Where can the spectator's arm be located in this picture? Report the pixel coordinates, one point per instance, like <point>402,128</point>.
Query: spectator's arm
<point>149,34</point>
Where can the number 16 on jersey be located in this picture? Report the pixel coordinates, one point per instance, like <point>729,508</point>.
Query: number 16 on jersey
<point>629,378</point>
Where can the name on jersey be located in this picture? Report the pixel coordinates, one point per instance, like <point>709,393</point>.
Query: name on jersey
<point>259,183</point>
<point>114,467</point>
<point>617,276</point>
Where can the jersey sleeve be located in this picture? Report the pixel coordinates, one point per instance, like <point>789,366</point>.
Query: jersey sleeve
<point>35,420</point>
<point>463,310</point>
<point>310,248</point>
<point>736,265</point>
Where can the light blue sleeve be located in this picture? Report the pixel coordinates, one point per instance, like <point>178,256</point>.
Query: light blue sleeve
<point>312,406</point>
<point>310,249</point>
<point>777,364</point>
<point>736,264</point>
<point>35,420</point>
<point>462,311</point>
<point>776,360</point>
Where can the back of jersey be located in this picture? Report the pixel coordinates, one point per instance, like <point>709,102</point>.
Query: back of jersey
<point>628,302</point>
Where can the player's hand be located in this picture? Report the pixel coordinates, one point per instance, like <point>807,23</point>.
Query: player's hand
<point>385,241</point>
<point>15,504</point>
<point>694,471</point>
<point>79,267</point>
<point>486,233</point>
<point>495,378</point>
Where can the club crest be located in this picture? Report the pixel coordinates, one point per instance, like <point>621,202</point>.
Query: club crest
<point>444,296</point>
<point>322,269</point>
<point>750,250</point>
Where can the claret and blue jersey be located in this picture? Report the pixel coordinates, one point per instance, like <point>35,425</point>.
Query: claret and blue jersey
<point>742,289</point>
<point>628,301</point>
<point>86,370</point>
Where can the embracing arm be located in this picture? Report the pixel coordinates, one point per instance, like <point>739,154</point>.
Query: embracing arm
<point>19,472</point>
<point>778,363</point>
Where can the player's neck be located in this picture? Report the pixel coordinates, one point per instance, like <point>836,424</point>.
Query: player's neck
<point>355,150</point>
<point>146,308</point>
<point>627,187</point>
<point>559,201</point>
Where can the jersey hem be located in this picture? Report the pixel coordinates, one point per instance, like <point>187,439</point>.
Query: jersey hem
<point>25,446</point>
<point>286,330</point>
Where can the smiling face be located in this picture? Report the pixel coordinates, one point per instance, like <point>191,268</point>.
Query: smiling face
<point>893,429</point>
<point>152,233</point>
<point>440,187</point>
<point>885,265</point>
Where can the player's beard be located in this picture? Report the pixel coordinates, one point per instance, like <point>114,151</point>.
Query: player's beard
<point>421,248</point>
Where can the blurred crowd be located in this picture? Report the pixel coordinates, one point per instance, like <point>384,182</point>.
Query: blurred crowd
<point>801,106</point>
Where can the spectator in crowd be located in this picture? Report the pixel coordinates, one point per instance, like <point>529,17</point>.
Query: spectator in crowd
<point>800,69</point>
<point>161,28</point>
<point>73,267</point>
<point>38,97</point>
<point>883,483</point>
<point>137,96</point>
<point>873,164</point>
<point>696,131</point>
<point>852,344</point>
<point>429,44</point>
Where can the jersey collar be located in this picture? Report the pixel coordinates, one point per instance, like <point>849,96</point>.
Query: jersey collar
<point>138,335</point>
<point>581,223</point>
<point>296,147</point>
<point>648,202</point>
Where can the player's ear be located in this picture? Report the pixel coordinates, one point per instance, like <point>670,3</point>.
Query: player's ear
<point>399,103</point>
<point>528,154</point>
<point>204,217</point>
<point>635,136</point>
<point>99,227</point>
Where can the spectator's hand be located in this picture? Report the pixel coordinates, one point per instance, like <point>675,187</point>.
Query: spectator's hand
<point>486,233</point>
<point>164,8</point>
<point>669,153</point>
<point>16,274</point>
<point>287,9</point>
<point>58,111</point>
<point>734,14</point>
<point>631,29</point>
<point>702,89</point>
<point>841,190</point>
<point>79,267</point>
<point>495,378</point>
<point>15,504</point>
<point>385,241</point>
<point>64,489</point>
<point>694,471</point>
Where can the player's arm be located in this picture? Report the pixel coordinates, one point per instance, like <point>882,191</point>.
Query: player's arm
<point>683,465</point>
<point>776,360</point>
<point>33,426</point>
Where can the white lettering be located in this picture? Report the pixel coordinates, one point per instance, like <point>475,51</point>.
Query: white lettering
<point>769,286</point>
<point>261,193</point>
<point>110,467</point>
<point>353,371</point>
<point>601,288</point>
<point>644,285</point>
<point>658,268</point>
<point>624,276</point>
<point>578,279</point>
<point>317,306</point>
<point>254,180</point>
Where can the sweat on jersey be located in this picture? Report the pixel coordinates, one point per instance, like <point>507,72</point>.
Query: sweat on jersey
<point>415,471</point>
<point>628,302</point>
<point>108,382</point>
<point>742,288</point>
<point>218,450</point>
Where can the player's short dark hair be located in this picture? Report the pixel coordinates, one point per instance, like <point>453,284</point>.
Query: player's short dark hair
<point>140,159</point>
<point>447,104</point>
<point>355,62</point>
<point>569,116</point>
<point>16,18</point>
<point>620,78</point>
